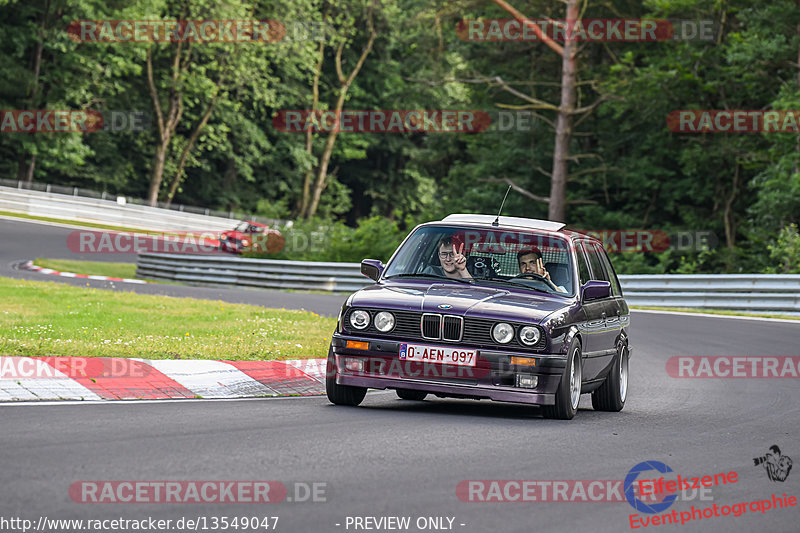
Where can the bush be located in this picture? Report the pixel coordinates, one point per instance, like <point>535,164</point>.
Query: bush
<point>374,238</point>
<point>786,251</point>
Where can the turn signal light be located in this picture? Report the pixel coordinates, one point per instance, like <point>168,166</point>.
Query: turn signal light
<point>358,345</point>
<point>528,361</point>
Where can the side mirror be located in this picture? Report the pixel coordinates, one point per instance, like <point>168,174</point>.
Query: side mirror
<point>595,290</point>
<point>372,268</point>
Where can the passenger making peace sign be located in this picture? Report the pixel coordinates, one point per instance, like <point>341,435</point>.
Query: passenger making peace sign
<point>454,264</point>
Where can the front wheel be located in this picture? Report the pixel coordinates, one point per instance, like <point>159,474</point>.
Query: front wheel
<point>415,395</point>
<point>612,393</point>
<point>568,395</point>
<point>340,394</point>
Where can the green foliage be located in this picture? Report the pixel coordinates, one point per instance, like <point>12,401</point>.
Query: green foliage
<point>318,240</point>
<point>627,171</point>
<point>786,252</point>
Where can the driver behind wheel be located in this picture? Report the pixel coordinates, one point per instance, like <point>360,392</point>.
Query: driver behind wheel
<point>530,262</point>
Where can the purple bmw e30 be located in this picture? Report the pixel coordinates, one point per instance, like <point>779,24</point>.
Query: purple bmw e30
<point>478,306</point>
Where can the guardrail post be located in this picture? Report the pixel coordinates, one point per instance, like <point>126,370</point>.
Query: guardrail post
<point>74,191</point>
<point>47,189</point>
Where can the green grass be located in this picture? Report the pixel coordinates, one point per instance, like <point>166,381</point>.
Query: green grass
<point>94,268</point>
<point>717,312</point>
<point>54,319</point>
<point>81,224</point>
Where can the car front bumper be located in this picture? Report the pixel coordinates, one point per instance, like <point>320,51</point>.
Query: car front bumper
<point>493,377</point>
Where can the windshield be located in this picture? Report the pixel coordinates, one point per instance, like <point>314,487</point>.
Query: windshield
<point>528,259</point>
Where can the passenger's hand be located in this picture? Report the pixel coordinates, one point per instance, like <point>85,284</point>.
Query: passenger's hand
<point>458,257</point>
<point>542,271</point>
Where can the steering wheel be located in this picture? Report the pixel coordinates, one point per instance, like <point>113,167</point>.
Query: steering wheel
<point>535,276</point>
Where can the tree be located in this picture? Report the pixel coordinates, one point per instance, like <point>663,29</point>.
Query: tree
<point>566,110</point>
<point>195,77</point>
<point>345,21</point>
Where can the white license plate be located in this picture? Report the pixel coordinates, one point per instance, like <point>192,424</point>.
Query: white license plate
<point>444,355</point>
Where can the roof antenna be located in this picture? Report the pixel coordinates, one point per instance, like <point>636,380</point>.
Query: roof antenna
<point>497,220</point>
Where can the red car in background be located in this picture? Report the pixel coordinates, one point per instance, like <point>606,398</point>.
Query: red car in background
<point>251,236</point>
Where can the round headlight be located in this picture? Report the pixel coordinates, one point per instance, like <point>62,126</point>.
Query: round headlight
<point>384,321</point>
<point>529,335</point>
<point>503,333</point>
<point>359,319</point>
<point>245,242</point>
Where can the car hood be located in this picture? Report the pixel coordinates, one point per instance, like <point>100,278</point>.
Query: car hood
<point>464,300</point>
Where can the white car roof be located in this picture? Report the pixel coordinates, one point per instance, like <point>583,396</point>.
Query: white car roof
<point>515,222</point>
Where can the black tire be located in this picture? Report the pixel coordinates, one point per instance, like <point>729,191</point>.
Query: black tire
<point>340,394</point>
<point>415,395</point>
<point>567,399</point>
<point>611,395</point>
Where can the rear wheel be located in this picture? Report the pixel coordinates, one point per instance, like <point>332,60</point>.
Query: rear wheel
<point>568,395</point>
<point>612,393</point>
<point>415,395</point>
<point>340,394</point>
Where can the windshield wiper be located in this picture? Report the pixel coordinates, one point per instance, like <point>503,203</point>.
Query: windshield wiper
<point>431,276</point>
<point>513,282</point>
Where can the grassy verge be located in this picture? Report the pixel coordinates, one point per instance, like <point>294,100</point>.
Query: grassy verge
<point>718,312</point>
<point>93,268</point>
<point>53,319</point>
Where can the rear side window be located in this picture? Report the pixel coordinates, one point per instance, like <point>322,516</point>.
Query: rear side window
<point>615,288</point>
<point>593,254</point>
<point>583,268</point>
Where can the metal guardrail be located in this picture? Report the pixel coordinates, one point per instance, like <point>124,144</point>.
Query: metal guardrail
<point>264,273</point>
<point>740,292</point>
<point>750,292</point>
<point>57,202</point>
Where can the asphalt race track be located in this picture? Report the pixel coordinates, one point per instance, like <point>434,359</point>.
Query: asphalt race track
<point>22,241</point>
<point>391,457</point>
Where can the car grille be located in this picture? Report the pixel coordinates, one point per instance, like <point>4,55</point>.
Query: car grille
<point>452,328</point>
<point>414,325</point>
<point>431,324</point>
<point>442,327</point>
